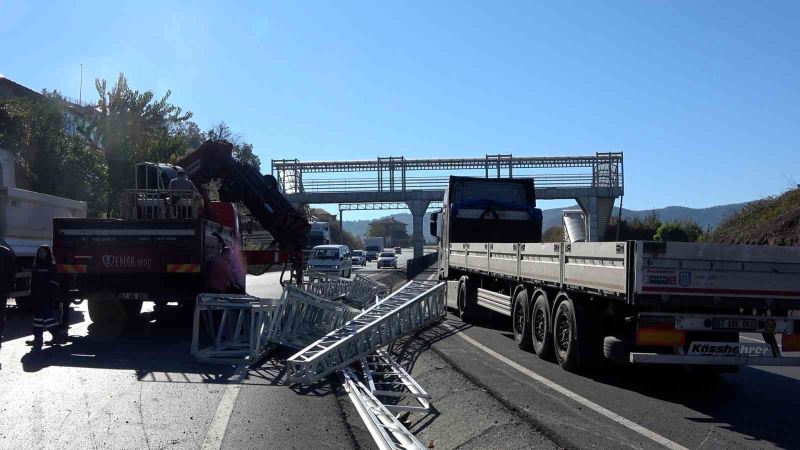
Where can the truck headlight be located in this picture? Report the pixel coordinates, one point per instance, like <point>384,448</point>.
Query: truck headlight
<point>334,267</point>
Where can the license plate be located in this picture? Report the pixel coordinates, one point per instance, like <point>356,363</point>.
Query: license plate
<point>133,295</point>
<point>734,324</point>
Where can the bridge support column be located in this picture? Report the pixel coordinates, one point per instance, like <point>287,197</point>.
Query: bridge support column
<point>597,211</point>
<point>418,208</point>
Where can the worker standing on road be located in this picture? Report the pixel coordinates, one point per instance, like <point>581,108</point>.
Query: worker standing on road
<point>8,273</point>
<point>178,187</point>
<point>44,291</point>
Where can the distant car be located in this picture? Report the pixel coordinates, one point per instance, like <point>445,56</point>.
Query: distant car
<point>359,258</point>
<point>398,250</point>
<point>331,259</point>
<point>387,259</point>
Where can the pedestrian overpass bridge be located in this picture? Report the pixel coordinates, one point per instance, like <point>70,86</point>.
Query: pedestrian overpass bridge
<point>594,182</point>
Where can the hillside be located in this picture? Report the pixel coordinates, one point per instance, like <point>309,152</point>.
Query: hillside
<point>705,217</point>
<point>773,221</point>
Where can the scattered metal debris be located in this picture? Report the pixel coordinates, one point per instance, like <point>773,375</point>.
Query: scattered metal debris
<point>412,307</point>
<point>386,378</point>
<point>320,318</point>
<point>236,325</point>
<point>387,431</point>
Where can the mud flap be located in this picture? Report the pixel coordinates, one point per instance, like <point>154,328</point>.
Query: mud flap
<point>589,328</point>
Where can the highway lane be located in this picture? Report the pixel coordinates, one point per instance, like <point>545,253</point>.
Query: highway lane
<point>753,409</point>
<point>138,387</point>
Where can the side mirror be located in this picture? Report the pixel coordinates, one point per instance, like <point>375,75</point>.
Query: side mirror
<point>434,219</point>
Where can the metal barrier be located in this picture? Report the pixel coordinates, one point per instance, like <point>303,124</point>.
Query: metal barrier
<point>414,306</point>
<point>416,266</point>
<point>236,326</point>
<point>145,204</point>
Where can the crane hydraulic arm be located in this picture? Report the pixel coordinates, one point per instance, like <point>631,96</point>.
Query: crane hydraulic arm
<point>259,193</point>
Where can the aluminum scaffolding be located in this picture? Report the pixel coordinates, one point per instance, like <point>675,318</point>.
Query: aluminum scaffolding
<point>414,306</point>
<point>387,431</point>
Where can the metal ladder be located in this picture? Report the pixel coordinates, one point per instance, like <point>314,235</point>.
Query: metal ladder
<point>414,306</point>
<point>387,431</point>
<point>386,378</point>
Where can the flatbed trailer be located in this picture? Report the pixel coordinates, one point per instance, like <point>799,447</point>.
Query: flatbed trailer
<point>630,302</point>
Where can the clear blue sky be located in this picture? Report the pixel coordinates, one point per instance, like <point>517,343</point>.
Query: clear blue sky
<point>703,97</point>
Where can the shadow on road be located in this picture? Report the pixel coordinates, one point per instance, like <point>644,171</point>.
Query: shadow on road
<point>19,323</point>
<point>157,350</point>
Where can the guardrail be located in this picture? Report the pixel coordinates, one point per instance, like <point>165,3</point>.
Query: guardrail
<point>416,266</point>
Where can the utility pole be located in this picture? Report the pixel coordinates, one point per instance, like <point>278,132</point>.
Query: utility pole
<point>80,90</point>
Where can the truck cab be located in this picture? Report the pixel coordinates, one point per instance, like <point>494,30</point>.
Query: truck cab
<point>474,208</point>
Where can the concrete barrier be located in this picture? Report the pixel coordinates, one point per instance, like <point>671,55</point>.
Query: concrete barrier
<point>415,266</point>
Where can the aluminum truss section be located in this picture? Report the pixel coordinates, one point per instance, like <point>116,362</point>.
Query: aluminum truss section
<point>304,317</point>
<point>413,307</point>
<point>386,378</point>
<point>237,327</point>
<point>385,428</point>
<point>365,291</point>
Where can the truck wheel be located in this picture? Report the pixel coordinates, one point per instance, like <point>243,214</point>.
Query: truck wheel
<point>105,311</point>
<point>520,321</point>
<point>541,334</point>
<point>565,336</point>
<point>466,305</point>
<point>132,308</point>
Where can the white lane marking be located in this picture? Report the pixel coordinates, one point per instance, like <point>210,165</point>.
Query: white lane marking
<point>756,340</point>
<point>219,423</point>
<point>567,393</point>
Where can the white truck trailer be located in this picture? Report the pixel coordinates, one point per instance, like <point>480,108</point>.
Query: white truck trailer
<point>373,246</point>
<point>629,302</point>
<point>26,221</point>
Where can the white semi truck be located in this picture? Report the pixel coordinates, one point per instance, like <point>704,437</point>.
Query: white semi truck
<point>373,246</point>
<point>629,302</point>
<point>26,221</point>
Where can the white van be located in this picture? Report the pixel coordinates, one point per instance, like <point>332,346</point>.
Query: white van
<point>331,258</point>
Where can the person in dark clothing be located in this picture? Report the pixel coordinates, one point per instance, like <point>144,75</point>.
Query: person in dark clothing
<point>8,273</point>
<point>44,293</point>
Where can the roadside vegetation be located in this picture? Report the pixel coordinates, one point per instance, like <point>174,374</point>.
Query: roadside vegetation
<point>770,221</point>
<point>88,152</point>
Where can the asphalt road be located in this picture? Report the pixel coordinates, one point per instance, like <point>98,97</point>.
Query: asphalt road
<point>139,388</point>
<point>755,408</point>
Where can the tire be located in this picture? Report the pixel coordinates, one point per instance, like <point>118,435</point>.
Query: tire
<point>521,321</point>
<point>565,343</point>
<point>617,349</point>
<point>541,329</point>
<point>106,310</point>
<point>466,300</point>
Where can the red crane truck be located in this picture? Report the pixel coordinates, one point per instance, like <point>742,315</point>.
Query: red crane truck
<point>162,247</point>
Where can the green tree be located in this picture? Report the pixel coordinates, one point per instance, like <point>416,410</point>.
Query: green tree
<point>553,234</point>
<point>133,126</point>
<point>58,162</point>
<point>242,151</point>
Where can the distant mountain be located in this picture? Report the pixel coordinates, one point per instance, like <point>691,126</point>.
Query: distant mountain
<point>705,217</point>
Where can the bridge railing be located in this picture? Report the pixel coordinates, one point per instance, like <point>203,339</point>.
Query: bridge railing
<point>434,183</point>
